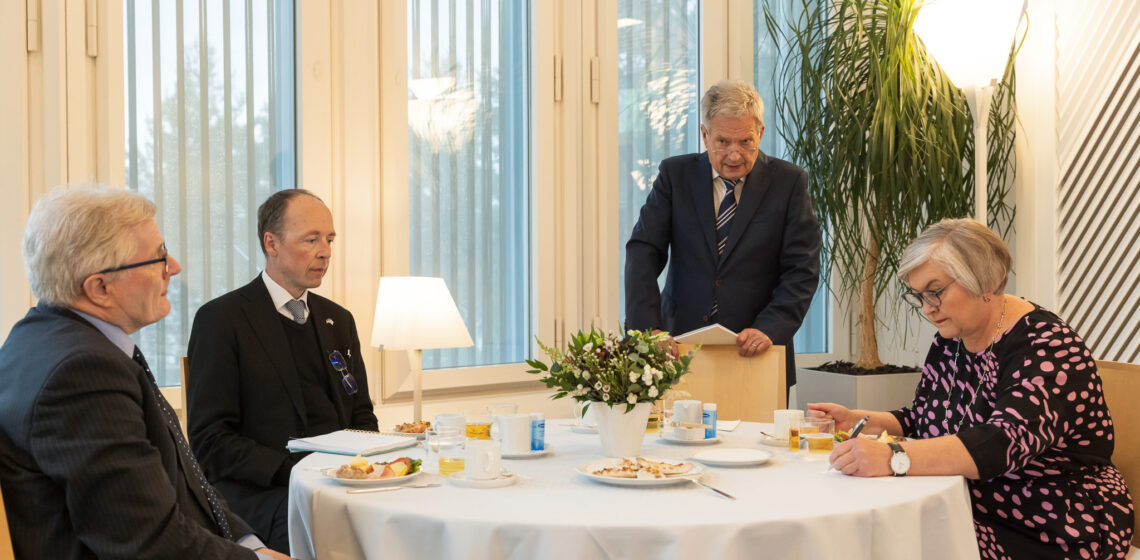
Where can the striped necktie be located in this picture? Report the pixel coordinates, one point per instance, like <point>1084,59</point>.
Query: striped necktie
<point>184,450</point>
<point>723,226</point>
<point>725,214</point>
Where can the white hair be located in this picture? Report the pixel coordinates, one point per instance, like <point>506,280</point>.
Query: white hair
<point>74,232</point>
<point>970,252</point>
<point>732,99</point>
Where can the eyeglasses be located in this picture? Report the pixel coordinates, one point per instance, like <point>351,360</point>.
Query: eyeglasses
<point>162,259</point>
<point>341,366</point>
<point>931,297</point>
<point>742,150</point>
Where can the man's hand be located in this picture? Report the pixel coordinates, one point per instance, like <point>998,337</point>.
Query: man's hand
<point>752,342</point>
<point>273,554</point>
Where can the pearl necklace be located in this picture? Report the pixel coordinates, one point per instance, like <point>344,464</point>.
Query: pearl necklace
<point>966,412</point>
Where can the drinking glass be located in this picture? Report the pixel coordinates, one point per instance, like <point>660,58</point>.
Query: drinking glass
<point>444,448</point>
<point>814,432</point>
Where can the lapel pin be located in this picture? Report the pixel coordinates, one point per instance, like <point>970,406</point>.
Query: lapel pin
<point>328,321</point>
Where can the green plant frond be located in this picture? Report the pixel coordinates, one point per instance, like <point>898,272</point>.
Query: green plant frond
<point>886,137</point>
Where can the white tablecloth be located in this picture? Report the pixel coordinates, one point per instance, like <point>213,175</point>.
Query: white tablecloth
<point>791,507</point>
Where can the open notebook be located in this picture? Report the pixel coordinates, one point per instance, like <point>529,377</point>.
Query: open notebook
<point>351,442</point>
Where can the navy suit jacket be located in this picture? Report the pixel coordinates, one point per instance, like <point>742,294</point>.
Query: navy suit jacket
<point>88,464</point>
<point>244,393</point>
<point>770,269</point>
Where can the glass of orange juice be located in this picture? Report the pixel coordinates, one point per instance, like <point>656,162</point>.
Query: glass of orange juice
<point>479,428</point>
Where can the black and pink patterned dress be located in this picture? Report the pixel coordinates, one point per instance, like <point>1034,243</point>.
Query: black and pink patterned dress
<point>1031,413</point>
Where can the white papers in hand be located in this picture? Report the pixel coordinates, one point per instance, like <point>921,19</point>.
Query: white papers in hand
<point>714,334</point>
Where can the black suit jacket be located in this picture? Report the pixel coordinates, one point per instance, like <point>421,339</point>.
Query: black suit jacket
<point>244,393</point>
<point>771,265</point>
<point>88,464</point>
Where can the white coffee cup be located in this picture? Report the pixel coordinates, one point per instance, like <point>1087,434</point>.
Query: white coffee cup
<point>484,459</point>
<point>513,432</point>
<point>783,420</point>
<point>457,420</point>
<point>689,412</point>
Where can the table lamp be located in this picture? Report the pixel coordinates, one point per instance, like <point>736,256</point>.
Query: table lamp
<point>415,313</point>
<point>971,40</point>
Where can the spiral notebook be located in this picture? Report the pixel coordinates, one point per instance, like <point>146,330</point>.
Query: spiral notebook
<point>351,442</point>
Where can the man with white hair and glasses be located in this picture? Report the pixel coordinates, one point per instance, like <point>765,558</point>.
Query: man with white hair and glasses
<point>93,463</point>
<point>737,230</point>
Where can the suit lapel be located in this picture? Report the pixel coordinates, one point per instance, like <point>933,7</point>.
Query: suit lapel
<point>327,338</point>
<point>700,181</point>
<point>750,197</point>
<point>266,324</point>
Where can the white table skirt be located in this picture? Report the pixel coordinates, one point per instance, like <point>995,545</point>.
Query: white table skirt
<point>791,507</point>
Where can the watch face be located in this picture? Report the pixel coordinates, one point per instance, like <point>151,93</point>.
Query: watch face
<point>900,463</point>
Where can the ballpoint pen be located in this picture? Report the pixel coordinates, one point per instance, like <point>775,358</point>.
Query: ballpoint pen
<point>859,427</point>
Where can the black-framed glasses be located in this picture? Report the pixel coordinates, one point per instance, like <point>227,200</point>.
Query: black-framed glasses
<point>162,259</point>
<point>341,366</point>
<point>931,297</point>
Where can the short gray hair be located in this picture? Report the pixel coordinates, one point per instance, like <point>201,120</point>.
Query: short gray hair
<point>970,252</point>
<point>74,232</point>
<point>732,99</point>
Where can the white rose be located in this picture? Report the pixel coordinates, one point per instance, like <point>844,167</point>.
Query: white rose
<point>633,377</point>
<point>653,392</point>
<point>632,399</point>
<point>598,385</point>
<point>646,378</point>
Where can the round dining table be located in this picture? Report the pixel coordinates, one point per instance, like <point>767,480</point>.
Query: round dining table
<point>791,506</point>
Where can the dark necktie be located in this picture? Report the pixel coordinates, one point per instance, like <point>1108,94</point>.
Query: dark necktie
<point>184,450</point>
<point>723,226</point>
<point>725,214</point>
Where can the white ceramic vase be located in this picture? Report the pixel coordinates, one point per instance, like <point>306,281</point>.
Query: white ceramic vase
<point>622,432</point>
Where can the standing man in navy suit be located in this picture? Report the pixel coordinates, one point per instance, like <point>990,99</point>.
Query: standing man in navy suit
<point>93,463</point>
<point>737,230</point>
<point>271,361</point>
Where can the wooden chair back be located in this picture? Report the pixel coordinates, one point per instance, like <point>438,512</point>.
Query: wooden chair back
<point>743,388</point>
<point>6,552</point>
<point>184,412</point>
<point>1121,384</point>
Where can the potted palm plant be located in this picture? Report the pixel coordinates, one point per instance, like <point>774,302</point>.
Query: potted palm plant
<point>887,141</point>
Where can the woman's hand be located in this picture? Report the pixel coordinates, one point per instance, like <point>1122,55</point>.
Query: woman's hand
<point>845,419</point>
<point>862,457</point>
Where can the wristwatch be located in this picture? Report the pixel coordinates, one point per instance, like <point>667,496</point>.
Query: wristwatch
<point>900,462</point>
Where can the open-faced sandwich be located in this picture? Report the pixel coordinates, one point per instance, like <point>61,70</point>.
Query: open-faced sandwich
<point>640,467</point>
<point>359,468</point>
<point>417,427</point>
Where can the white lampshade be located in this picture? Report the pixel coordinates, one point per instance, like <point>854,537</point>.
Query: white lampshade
<point>416,313</point>
<point>970,39</point>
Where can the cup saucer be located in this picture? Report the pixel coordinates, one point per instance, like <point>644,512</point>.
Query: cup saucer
<point>461,479</point>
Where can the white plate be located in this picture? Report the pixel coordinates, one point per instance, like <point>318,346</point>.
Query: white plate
<point>585,469</point>
<point>527,454</point>
<point>732,457</point>
<point>583,429</point>
<point>330,473</point>
<point>460,479</point>
<point>395,433</point>
<point>706,441</point>
<point>774,442</point>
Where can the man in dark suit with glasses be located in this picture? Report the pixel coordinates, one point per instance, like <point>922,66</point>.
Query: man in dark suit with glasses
<point>272,361</point>
<point>93,463</point>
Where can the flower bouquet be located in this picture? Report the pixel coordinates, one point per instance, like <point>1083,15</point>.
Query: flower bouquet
<point>623,374</point>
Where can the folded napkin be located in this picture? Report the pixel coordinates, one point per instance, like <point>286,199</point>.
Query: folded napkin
<point>727,425</point>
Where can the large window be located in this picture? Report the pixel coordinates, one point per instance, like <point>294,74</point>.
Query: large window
<point>814,335</point>
<point>210,130</point>
<point>658,89</point>
<point>469,198</point>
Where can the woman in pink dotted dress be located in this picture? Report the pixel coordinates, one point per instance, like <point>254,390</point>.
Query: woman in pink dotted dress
<point>1009,398</point>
